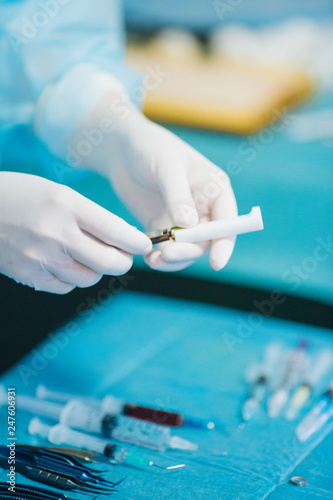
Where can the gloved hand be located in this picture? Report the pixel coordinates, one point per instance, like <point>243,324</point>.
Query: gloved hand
<point>53,239</point>
<point>165,183</point>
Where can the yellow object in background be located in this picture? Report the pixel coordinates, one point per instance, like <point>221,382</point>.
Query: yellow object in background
<point>214,93</point>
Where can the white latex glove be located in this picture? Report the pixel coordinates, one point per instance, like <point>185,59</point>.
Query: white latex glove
<point>53,239</point>
<point>166,183</point>
<point>163,180</point>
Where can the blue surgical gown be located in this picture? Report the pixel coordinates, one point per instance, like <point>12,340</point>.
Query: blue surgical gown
<point>43,42</point>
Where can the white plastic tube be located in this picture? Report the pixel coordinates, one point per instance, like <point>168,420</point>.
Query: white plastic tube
<point>315,426</point>
<point>321,407</point>
<point>221,228</point>
<point>109,404</point>
<point>273,355</point>
<point>320,366</point>
<point>40,407</point>
<point>60,434</point>
<point>149,436</point>
<point>77,414</point>
<point>43,392</point>
<point>315,372</point>
<point>295,362</point>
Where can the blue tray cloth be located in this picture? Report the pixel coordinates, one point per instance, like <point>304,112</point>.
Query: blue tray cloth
<point>189,357</point>
<point>317,468</point>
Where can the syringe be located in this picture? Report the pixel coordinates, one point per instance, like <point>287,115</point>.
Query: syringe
<point>304,428</point>
<point>295,363</point>
<point>317,424</point>
<point>60,434</point>
<point>78,415</point>
<point>260,384</point>
<point>117,406</point>
<point>304,391</point>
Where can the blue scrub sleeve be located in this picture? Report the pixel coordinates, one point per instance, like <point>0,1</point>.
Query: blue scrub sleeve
<point>59,55</point>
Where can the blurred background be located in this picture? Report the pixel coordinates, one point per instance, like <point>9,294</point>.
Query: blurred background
<point>249,84</point>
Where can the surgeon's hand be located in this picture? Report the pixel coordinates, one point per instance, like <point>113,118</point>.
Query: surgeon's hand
<point>53,239</point>
<point>166,183</point>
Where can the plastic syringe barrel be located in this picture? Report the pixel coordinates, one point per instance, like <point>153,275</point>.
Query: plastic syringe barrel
<point>38,428</point>
<point>42,392</point>
<point>39,407</point>
<point>272,354</point>
<point>325,401</point>
<point>109,404</point>
<point>60,434</point>
<point>221,228</point>
<point>139,432</point>
<point>116,406</point>
<point>77,415</point>
<point>304,433</point>
<point>321,364</point>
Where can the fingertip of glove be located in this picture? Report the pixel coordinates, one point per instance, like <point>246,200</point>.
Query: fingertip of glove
<point>217,264</point>
<point>221,252</point>
<point>153,259</point>
<point>148,248</point>
<point>144,244</point>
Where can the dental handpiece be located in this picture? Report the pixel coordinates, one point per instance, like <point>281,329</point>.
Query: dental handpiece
<point>211,230</point>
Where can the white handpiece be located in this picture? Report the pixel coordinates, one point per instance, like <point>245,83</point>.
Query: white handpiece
<point>221,228</point>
